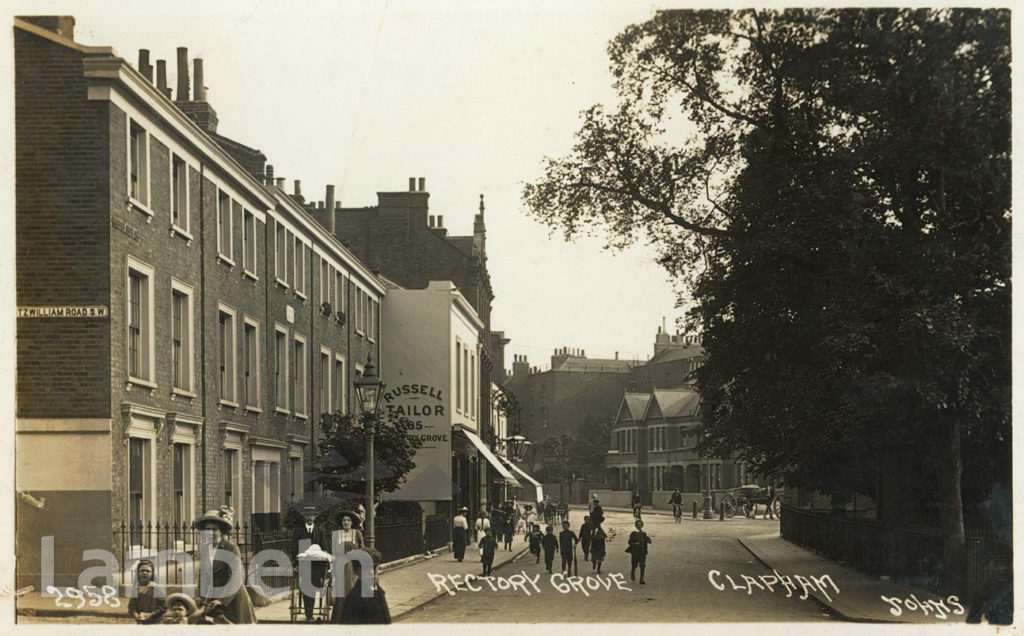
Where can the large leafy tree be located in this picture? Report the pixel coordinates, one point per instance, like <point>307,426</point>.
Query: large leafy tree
<point>341,465</point>
<point>831,188</point>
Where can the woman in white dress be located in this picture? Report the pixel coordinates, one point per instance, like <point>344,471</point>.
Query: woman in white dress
<point>349,538</point>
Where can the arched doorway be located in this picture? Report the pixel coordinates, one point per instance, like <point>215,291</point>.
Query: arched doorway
<point>675,478</point>
<point>693,482</point>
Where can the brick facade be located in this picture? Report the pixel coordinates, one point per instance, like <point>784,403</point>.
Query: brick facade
<point>80,233</point>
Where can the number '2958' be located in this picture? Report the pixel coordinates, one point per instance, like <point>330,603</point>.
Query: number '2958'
<point>89,594</point>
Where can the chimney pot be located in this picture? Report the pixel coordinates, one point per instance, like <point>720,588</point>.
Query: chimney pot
<point>161,77</point>
<point>269,175</point>
<point>200,91</point>
<point>329,205</point>
<point>144,66</point>
<point>440,220</point>
<point>423,184</point>
<point>280,182</point>
<point>298,188</point>
<point>412,184</point>
<point>182,74</point>
<point>337,205</point>
<point>430,221</point>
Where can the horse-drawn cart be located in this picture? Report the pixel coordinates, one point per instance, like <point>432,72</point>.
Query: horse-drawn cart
<point>747,499</point>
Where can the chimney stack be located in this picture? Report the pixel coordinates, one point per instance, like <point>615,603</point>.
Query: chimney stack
<point>182,74</point>
<point>330,206</point>
<point>200,91</point>
<point>412,184</point>
<point>161,78</point>
<point>423,184</point>
<point>144,66</point>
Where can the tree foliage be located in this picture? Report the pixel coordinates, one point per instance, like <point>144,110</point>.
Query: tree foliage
<point>832,189</point>
<point>341,463</point>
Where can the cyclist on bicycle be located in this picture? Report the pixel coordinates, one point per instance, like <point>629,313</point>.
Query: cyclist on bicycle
<point>677,504</point>
<point>635,504</point>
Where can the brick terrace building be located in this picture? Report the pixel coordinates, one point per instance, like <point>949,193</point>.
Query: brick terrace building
<point>575,394</point>
<point>182,321</point>
<point>400,238</point>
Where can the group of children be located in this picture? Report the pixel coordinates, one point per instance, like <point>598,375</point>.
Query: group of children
<point>149,608</point>
<point>592,539</point>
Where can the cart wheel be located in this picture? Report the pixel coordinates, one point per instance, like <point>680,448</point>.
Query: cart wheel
<point>729,500</point>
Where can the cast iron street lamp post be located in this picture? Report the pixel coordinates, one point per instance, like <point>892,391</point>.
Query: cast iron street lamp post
<point>368,389</point>
<point>708,512</point>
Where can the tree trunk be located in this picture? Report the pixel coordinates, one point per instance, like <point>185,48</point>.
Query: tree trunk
<point>951,507</point>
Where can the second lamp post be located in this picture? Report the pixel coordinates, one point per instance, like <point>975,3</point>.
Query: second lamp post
<point>368,389</point>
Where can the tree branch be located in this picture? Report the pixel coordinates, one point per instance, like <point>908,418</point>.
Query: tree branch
<point>656,206</point>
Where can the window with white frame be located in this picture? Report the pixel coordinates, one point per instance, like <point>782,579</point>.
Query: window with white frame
<point>140,489</point>
<point>458,376</point>
<point>472,386</point>
<point>465,380</point>
<point>226,353</point>
<point>340,292</point>
<point>138,163</point>
<point>280,254</point>
<point>249,247</point>
<point>299,368</point>
<point>224,226</point>
<point>140,321</point>
<point>181,336</point>
<point>295,480</point>
<point>325,380</point>
<point>266,476</point>
<point>251,363</point>
<point>232,481</point>
<point>181,457</point>
<point>281,367</point>
<point>179,193</point>
<point>339,384</point>
<point>289,260</point>
<point>325,283</point>
<point>300,267</point>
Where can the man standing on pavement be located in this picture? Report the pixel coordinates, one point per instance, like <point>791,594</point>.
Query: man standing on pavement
<point>567,540</point>
<point>637,549</point>
<point>586,530</point>
<point>307,534</point>
<point>550,543</point>
<point>597,514</point>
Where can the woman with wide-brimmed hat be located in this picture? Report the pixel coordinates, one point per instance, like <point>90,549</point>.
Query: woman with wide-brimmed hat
<point>345,539</point>
<point>460,528</point>
<point>237,607</point>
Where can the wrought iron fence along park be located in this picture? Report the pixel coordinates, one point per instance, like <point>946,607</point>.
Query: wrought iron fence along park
<point>911,555</point>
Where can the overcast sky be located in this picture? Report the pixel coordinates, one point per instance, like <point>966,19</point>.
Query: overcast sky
<point>470,96</point>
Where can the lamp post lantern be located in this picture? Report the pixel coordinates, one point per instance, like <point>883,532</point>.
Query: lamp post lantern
<point>368,389</point>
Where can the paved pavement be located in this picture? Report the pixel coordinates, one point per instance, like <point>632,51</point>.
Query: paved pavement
<point>409,586</point>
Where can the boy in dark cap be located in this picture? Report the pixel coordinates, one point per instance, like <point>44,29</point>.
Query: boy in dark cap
<point>488,546</point>
<point>567,540</point>
<point>550,543</point>
<point>536,540</point>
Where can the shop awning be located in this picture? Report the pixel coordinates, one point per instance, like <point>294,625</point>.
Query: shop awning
<point>491,458</point>
<point>536,484</point>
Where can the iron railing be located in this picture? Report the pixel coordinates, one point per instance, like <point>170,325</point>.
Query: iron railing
<point>908,555</point>
<point>439,532</point>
